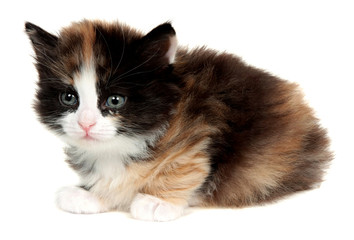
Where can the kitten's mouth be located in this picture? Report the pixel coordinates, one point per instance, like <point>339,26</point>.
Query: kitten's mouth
<point>88,137</point>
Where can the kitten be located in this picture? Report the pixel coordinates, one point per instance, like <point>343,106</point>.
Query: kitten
<point>153,128</point>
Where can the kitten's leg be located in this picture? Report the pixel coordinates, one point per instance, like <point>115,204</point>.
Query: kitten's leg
<point>171,187</point>
<point>150,208</point>
<point>77,200</point>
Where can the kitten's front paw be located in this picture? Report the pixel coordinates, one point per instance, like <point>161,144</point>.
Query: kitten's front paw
<point>78,200</point>
<point>150,208</point>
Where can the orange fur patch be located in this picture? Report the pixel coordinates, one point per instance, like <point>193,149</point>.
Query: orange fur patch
<point>77,45</point>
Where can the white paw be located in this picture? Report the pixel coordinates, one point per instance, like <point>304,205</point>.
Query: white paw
<point>150,208</point>
<point>78,200</point>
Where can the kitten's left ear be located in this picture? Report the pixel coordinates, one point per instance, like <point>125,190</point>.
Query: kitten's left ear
<point>160,44</point>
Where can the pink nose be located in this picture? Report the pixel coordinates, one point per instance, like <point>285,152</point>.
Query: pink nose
<point>86,127</point>
<point>87,120</point>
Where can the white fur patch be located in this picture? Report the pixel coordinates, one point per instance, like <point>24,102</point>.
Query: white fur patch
<point>171,53</point>
<point>78,200</point>
<point>150,208</point>
<point>108,160</point>
<point>85,84</point>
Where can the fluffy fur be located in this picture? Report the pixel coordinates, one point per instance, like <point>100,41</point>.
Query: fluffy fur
<point>153,128</point>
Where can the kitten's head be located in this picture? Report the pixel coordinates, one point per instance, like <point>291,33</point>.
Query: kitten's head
<point>101,83</point>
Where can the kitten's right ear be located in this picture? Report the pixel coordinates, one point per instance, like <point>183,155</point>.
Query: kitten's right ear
<point>160,44</point>
<point>42,41</point>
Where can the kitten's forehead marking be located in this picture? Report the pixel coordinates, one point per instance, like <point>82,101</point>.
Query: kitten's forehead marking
<point>85,84</point>
<point>86,31</point>
<point>88,41</point>
<point>76,47</point>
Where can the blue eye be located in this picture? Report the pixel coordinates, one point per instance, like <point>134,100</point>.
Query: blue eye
<point>68,99</point>
<point>115,101</point>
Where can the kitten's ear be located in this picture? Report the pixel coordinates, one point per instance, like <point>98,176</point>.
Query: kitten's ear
<point>160,44</point>
<point>42,41</point>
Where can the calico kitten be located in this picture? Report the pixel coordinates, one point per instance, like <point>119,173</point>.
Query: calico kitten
<point>153,128</point>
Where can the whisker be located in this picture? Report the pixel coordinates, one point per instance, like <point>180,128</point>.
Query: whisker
<point>45,58</point>
<point>137,73</point>
<point>109,51</point>
<point>54,80</point>
<point>55,70</point>
<point>133,74</point>
<point>123,50</point>
<point>146,61</point>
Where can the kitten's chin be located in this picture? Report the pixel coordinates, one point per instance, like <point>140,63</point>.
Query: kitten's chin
<point>86,142</point>
<point>124,146</point>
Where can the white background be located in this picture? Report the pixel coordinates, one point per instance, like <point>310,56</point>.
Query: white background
<point>309,42</point>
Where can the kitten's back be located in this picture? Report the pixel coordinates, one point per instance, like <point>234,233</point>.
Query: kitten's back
<point>268,142</point>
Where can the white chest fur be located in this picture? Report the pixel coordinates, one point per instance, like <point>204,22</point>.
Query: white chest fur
<point>103,169</point>
<point>111,182</point>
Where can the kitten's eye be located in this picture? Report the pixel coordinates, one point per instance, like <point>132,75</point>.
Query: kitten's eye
<point>68,99</point>
<point>115,101</point>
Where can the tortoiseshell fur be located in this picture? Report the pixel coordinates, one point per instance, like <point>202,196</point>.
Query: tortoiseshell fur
<point>213,130</point>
